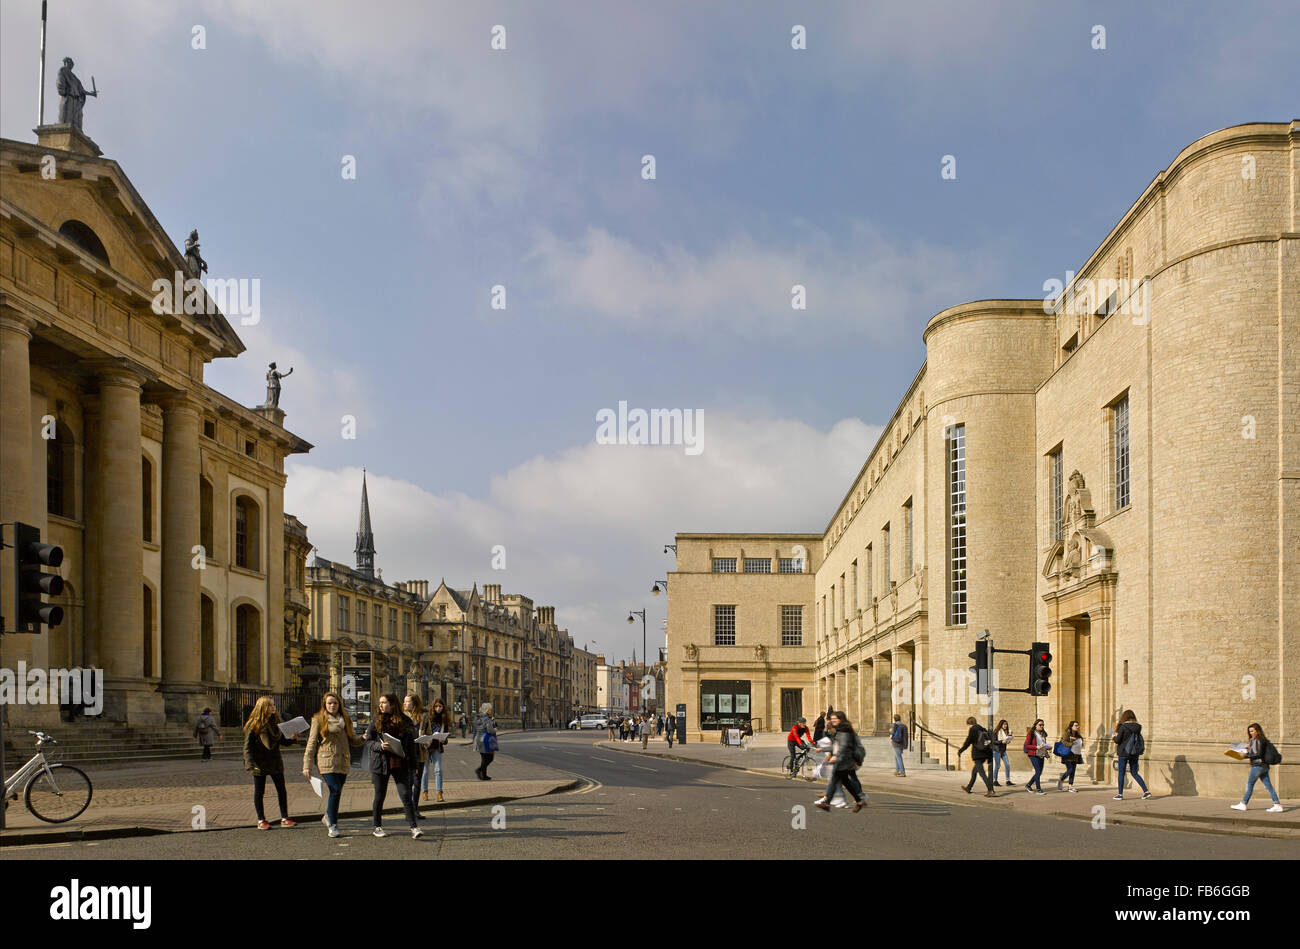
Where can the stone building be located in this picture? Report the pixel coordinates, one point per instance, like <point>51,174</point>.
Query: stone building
<point>166,496</point>
<point>582,685</point>
<point>740,641</point>
<point>1114,471</point>
<point>297,606</point>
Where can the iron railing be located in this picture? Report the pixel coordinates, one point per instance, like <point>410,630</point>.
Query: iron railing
<point>919,731</point>
<point>233,704</point>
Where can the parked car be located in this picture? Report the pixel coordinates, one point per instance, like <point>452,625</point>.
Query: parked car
<point>589,721</point>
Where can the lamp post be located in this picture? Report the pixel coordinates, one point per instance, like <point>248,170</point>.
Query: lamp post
<point>655,590</point>
<point>630,619</point>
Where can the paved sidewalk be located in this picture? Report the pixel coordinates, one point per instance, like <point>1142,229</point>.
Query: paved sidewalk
<point>176,796</point>
<point>1201,814</point>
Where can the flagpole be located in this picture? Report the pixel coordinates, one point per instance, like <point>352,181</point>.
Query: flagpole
<point>40,98</point>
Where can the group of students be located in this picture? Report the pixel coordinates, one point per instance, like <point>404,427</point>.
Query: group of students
<point>329,747</point>
<point>643,726</point>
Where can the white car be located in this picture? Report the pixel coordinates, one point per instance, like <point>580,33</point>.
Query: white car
<point>589,721</point>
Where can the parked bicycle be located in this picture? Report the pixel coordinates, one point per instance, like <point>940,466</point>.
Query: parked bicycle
<point>53,792</point>
<point>794,765</point>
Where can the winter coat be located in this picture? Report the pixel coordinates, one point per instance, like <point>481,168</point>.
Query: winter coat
<point>262,751</point>
<point>1122,735</point>
<point>486,725</point>
<point>206,730</point>
<point>972,739</point>
<point>379,763</point>
<point>843,743</point>
<point>330,751</point>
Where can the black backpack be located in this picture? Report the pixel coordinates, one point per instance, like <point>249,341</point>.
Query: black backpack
<point>983,741</point>
<point>859,751</point>
<point>1270,754</point>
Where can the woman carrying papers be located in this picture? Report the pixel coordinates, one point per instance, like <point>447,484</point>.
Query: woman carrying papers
<point>438,723</point>
<point>262,739</point>
<point>1261,754</point>
<point>485,740</point>
<point>414,710</point>
<point>330,746</point>
<point>390,739</point>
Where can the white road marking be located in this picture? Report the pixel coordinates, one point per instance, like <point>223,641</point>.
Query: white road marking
<point>656,770</point>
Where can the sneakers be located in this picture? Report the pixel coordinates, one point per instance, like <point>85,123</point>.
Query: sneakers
<point>822,804</point>
<point>1275,809</point>
<point>263,825</point>
<point>997,784</point>
<point>1011,784</point>
<point>859,806</point>
<point>379,832</point>
<point>1039,791</point>
<point>416,833</point>
<point>1118,797</point>
<point>990,793</point>
<point>1072,789</point>
<point>1145,795</point>
<point>1238,806</point>
<point>439,796</point>
<point>286,822</point>
<point>966,788</point>
<point>1060,783</point>
<point>334,830</point>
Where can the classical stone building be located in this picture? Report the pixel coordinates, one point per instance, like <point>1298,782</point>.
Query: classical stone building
<point>1116,472</point>
<point>297,605</point>
<point>582,686</point>
<point>166,496</point>
<point>740,643</point>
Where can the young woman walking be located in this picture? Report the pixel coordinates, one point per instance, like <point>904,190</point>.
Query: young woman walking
<point>1074,741</point>
<point>438,721</point>
<point>844,766</point>
<point>1128,751</point>
<point>329,745</point>
<point>386,761</point>
<point>1261,754</point>
<point>486,740</point>
<point>414,710</point>
<point>262,740</point>
<point>1001,736</point>
<point>1037,746</point>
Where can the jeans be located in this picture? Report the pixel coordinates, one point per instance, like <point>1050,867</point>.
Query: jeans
<point>1037,779</point>
<point>335,784</point>
<point>1000,757</point>
<point>898,759</point>
<point>485,760</point>
<point>980,767</point>
<point>1132,765</point>
<point>1258,773</point>
<point>1068,777</point>
<point>669,735</point>
<point>402,779</point>
<point>259,789</point>
<point>434,764</point>
<point>849,778</point>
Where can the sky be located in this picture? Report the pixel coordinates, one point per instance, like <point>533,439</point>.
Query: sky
<point>524,169</point>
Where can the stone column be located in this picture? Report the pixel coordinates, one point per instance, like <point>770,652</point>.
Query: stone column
<point>93,505</point>
<point>180,581</point>
<point>273,664</point>
<point>121,577</point>
<point>15,439</point>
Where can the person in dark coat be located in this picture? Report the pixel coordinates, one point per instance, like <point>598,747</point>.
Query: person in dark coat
<point>386,762</point>
<point>1128,739</point>
<point>207,732</point>
<point>980,757</point>
<point>819,729</point>
<point>262,740</point>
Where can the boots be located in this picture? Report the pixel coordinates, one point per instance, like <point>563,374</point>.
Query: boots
<point>424,795</point>
<point>440,797</point>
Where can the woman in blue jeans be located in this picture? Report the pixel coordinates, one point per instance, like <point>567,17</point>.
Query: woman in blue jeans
<point>1259,750</point>
<point>1074,740</point>
<point>1001,738</point>
<point>329,746</point>
<point>439,720</point>
<point>844,767</point>
<point>1128,751</point>
<point>1037,746</point>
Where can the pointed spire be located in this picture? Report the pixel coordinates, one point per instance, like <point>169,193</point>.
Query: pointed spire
<point>365,549</point>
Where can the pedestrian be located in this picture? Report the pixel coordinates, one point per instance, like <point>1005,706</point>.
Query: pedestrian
<point>1072,740</point>
<point>647,726</point>
<point>613,728</point>
<point>1262,754</point>
<point>980,743</point>
<point>1001,735</point>
<point>413,708</point>
<point>392,761</point>
<point>1037,746</point>
<point>670,730</point>
<point>486,740</point>
<point>439,721</point>
<point>464,724</point>
<point>1129,748</point>
<point>819,729</point>
<point>796,738</point>
<point>262,740</point>
<point>207,732</point>
<point>329,745</point>
<point>843,760</point>
<point>898,741</point>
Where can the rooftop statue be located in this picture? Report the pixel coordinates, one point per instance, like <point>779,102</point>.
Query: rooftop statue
<point>72,94</point>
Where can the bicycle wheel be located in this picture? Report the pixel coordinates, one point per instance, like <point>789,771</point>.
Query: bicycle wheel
<point>58,795</point>
<point>787,765</point>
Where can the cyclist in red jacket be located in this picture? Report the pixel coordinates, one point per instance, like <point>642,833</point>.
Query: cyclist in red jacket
<point>798,735</point>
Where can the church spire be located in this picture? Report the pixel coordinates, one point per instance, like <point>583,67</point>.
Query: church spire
<point>365,536</point>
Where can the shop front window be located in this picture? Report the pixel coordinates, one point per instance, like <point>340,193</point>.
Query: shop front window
<point>723,704</point>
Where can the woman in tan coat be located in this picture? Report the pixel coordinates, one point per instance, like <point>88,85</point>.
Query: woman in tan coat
<point>330,745</point>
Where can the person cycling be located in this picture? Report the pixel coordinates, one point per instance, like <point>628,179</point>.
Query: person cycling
<point>798,736</point>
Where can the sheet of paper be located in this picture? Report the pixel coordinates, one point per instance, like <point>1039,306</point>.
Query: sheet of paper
<point>394,745</point>
<point>293,726</point>
<point>316,785</point>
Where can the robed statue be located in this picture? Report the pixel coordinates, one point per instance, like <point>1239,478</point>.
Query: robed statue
<point>72,94</point>
<point>273,385</point>
<point>193,259</point>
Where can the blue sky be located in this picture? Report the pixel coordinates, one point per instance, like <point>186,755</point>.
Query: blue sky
<point>522,168</point>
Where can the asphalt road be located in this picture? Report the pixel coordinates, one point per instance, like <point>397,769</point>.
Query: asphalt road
<point>660,809</point>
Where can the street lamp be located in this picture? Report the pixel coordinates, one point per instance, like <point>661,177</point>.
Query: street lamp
<point>630,615</point>
<point>655,591</point>
<point>668,547</point>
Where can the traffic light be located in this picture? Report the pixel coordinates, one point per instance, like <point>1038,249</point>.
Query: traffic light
<point>31,582</point>
<point>1040,669</point>
<point>981,668</point>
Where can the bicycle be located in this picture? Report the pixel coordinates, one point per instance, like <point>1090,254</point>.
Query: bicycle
<point>53,792</point>
<point>794,764</point>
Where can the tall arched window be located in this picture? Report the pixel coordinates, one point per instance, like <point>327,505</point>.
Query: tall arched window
<point>147,625</point>
<point>248,650</point>
<point>146,497</point>
<point>205,515</point>
<point>60,472</point>
<point>207,638</point>
<point>248,533</point>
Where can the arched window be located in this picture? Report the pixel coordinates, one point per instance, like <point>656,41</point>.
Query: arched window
<point>146,497</point>
<point>147,625</point>
<point>248,533</point>
<point>207,638</point>
<point>60,472</point>
<point>248,654</point>
<point>81,235</point>
<point>205,515</point>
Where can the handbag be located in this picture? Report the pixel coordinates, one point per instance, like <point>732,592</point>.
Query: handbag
<point>1061,750</point>
<point>490,744</point>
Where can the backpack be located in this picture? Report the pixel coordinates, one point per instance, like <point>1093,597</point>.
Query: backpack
<point>1031,744</point>
<point>859,752</point>
<point>899,736</point>
<point>1271,755</point>
<point>1134,746</point>
<point>983,741</point>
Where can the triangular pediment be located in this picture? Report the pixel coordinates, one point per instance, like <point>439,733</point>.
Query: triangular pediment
<point>46,188</point>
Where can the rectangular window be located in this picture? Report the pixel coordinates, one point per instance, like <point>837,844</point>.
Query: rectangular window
<point>844,601</point>
<point>343,612</point>
<point>884,558</point>
<point>1058,494</point>
<point>724,564</point>
<point>724,625</point>
<point>406,627</point>
<point>758,565</point>
<point>834,617</point>
<point>957,526</point>
<point>853,573</point>
<point>250,448</point>
<point>241,535</point>
<point>907,537</point>
<point>792,626</point>
<point>790,565</point>
<point>1121,454</point>
<point>209,429</point>
<point>392,623</point>
<point>723,704</point>
<point>361,617</point>
<point>379,620</point>
<point>866,573</point>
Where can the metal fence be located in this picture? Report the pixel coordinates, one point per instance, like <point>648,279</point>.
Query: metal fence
<point>233,704</point>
